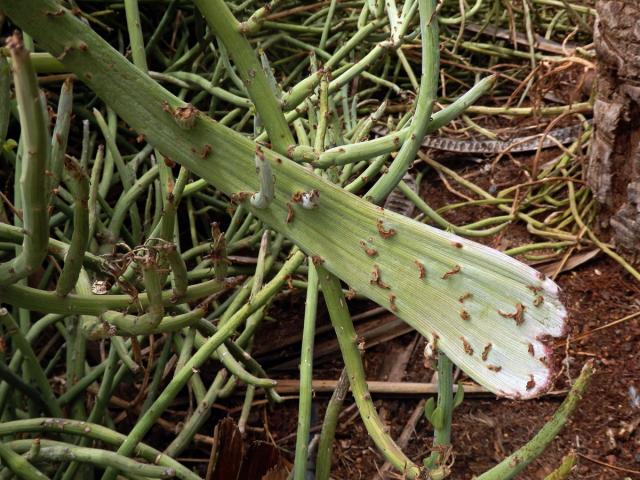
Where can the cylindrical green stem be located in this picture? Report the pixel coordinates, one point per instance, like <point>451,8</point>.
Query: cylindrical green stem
<point>96,432</point>
<point>135,34</point>
<point>75,255</point>
<point>60,134</point>
<point>228,30</point>
<point>19,465</point>
<point>306,375</point>
<point>348,340</point>
<point>518,461</point>
<point>33,181</point>
<point>441,416</point>
<point>58,452</point>
<point>424,104</point>
<point>327,434</point>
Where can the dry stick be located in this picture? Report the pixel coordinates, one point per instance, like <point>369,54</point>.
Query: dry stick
<point>602,327</point>
<point>288,386</point>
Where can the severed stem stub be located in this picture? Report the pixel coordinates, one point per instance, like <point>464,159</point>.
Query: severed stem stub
<point>265,195</point>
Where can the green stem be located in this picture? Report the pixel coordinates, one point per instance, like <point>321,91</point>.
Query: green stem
<point>135,34</point>
<point>518,461</point>
<point>329,424</point>
<point>306,375</point>
<point>33,181</point>
<point>424,104</point>
<point>96,432</point>
<point>80,239</point>
<point>52,451</point>
<point>228,30</point>
<point>60,134</point>
<point>442,414</point>
<point>19,465</point>
<point>73,304</point>
<point>348,340</point>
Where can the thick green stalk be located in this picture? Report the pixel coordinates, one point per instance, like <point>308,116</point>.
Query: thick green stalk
<point>35,160</point>
<point>80,239</point>
<point>96,432</point>
<point>424,104</point>
<point>306,375</point>
<point>329,424</point>
<point>518,461</point>
<point>228,30</point>
<point>348,340</point>
<point>19,465</point>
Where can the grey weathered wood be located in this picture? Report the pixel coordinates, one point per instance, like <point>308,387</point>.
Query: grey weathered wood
<point>614,166</point>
